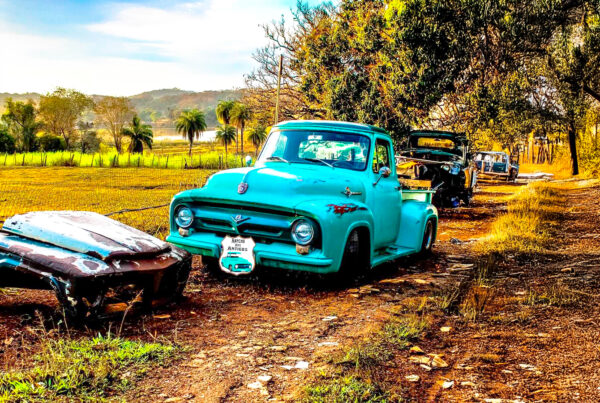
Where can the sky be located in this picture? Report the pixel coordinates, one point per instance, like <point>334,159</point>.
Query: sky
<point>126,47</point>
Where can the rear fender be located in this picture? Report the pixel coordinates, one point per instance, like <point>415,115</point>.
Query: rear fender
<point>414,217</point>
<point>337,217</point>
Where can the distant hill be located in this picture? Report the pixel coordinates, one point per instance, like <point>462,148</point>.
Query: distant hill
<point>161,105</point>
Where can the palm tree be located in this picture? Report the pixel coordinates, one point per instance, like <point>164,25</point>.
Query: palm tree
<point>240,115</point>
<point>224,109</point>
<point>226,135</point>
<point>139,134</point>
<point>257,135</point>
<point>191,124</point>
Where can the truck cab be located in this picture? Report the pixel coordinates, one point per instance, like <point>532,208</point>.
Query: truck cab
<point>322,197</point>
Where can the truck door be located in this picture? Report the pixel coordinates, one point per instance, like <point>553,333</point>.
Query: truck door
<point>386,198</point>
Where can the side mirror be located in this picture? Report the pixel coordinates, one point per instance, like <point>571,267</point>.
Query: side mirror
<point>384,172</point>
<point>248,160</point>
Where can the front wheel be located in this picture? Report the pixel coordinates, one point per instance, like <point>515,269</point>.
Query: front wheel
<point>428,238</point>
<point>355,260</point>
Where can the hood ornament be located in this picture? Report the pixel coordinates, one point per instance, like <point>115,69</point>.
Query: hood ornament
<point>242,188</point>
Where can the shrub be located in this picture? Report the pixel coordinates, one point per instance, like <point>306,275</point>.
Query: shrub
<point>49,143</point>
<point>7,142</point>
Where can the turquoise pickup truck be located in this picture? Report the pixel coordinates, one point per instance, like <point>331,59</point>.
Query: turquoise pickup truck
<point>322,197</point>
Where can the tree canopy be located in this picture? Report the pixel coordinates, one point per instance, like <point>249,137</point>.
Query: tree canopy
<point>191,124</point>
<point>60,111</point>
<point>495,70</point>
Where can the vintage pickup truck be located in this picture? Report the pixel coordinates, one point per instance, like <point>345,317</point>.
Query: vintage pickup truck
<point>322,197</point>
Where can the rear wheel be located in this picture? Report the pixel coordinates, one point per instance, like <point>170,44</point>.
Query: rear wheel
<point>428,237</point>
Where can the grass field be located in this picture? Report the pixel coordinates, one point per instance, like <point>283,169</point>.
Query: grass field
<point>102,190</point>
<point>171,154</point>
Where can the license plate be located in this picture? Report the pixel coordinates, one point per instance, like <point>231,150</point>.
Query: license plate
<point>237,255</point>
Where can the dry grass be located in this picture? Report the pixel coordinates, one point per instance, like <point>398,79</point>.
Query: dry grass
<point>355,376</point>
<point>557,294</point>
<point>100,190</point>
<point>525,228</point>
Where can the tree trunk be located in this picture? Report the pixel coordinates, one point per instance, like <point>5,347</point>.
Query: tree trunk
<point>573,148</point>
<point>242,136</point>
<point>237,140</point>
<point>191,144</point>
<point>226,155</point>
<point>596,137</point>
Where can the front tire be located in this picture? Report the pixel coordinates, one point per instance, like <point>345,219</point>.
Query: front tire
<point>428,238</point>
<point>355,260</point>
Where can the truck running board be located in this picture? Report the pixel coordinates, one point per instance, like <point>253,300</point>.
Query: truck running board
<point>390,253</point>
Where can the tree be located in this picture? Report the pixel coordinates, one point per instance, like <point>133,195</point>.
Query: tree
<point>60,110</point>
<point>139,134</point>
<point>114,113</point>
<point>20,119</point>
<point>191,124</point>
<point>89,141</point>
<point>224,111</point>
<point>7,142</point>
<point>257,135</point>
<point>240,115</point>
<point>226,135</point>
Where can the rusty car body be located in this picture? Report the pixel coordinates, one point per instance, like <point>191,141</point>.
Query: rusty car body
<point>89,261</point>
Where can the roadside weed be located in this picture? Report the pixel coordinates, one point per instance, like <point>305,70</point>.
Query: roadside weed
<point>83,368</point>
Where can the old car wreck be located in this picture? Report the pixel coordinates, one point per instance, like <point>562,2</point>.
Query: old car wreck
<point>323,197</point>
<point>443,161</point>
<point>90,262</point>
<point>497,165</point>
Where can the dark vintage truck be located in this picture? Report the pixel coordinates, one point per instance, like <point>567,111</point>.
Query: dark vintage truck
<point>444,161</point>
<point>323,197</point>
<point>90,262</point>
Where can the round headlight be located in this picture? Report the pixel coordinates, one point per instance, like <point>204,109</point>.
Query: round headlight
<point>184,217</point>
<point>303,232</point>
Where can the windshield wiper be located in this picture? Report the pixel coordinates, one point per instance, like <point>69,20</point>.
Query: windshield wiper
<point>318,160</point>
<point>276,158</point>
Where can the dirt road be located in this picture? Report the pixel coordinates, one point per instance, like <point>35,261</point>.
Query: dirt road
<point>285,327</point>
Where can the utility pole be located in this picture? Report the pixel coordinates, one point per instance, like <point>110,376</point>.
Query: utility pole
<point>278,88</point>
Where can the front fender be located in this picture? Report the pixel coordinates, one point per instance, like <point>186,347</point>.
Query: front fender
<point>337,217</point>
<point>412,225</point>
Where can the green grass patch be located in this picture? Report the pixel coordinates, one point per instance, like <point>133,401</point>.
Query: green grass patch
<point>345,389</point>
<point>83,369</point>
<point>112,159</point>
<point>395,335</point>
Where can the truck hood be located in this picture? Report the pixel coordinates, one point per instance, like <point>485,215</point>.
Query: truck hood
<point>281,184</point>
<point>87,233</point>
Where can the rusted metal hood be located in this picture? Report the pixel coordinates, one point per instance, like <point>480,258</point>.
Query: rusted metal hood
<point>84,232</point>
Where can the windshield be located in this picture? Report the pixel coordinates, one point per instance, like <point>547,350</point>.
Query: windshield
<point>432,143</point>
<point>343,150</point>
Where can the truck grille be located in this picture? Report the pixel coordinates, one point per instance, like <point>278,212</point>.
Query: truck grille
<point>263,225</point>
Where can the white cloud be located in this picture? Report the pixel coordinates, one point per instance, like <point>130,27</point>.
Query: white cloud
<point>196,46</point>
